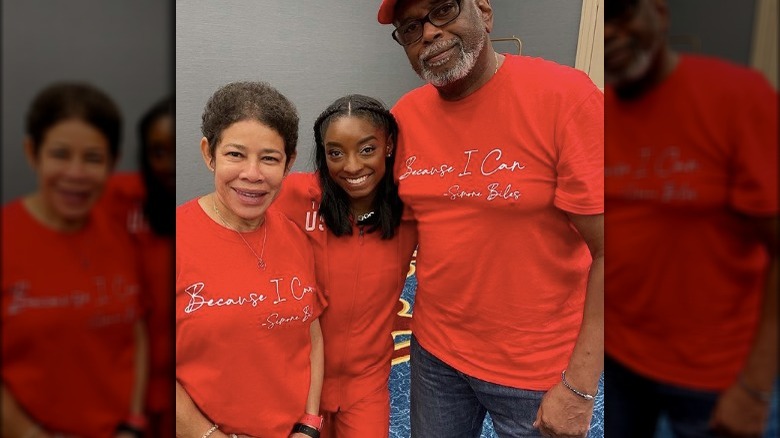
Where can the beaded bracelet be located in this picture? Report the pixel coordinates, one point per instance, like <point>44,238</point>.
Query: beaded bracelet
<point>763,397</point>
<point>32,431</point>
<point>581,394</point>
<point>210,431</point>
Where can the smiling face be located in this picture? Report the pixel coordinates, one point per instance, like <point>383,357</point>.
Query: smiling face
<point>249,166</point>
<point>634,42</point>
<point>449,53</point>
<point>161,152</point>
<point>72,164</point>
<point>355,150</point>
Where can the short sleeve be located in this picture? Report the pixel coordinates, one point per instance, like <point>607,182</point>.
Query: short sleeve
<point>753,188</point>
<point>580,168</point>
<point>298,189</point>
<point>321,302</point>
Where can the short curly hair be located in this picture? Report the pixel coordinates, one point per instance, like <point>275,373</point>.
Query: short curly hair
<point>74,100</point>
<point>258,101</point>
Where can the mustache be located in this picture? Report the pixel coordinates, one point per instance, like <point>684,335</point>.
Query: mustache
<point>612,46</point>
<point>438,47</point>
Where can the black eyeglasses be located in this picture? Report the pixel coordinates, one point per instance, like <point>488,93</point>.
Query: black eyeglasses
<point>411,31</point>
<point>617,9</point>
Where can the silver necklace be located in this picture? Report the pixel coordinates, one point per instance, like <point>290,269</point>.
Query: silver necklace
<point>495,55</point>
<point>260,261</point>
<point>364,216</point>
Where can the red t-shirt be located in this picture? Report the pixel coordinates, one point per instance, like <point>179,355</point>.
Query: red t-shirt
<point>70,304</point>
<point>123,200</point>
<point>362,277</point>
<point>683,284</point>
<point>242,333</point>
<point>501,271</point>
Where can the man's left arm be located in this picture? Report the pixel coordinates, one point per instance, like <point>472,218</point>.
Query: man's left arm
<point>743,408</point>
<point>563,412</point>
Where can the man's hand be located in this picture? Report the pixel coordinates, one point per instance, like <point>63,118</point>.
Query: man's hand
<point>738,414</point>
<point>563,414</point>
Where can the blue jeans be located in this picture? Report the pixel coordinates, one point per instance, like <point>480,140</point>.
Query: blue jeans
<point>446,403</point>
<point>634,403</point>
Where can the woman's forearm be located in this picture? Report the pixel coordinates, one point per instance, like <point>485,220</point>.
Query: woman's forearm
<point>15,422</point>
<point>141,369</point>
<point>317,369</point>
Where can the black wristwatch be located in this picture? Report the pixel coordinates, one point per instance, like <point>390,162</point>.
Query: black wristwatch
<point>124,427</point>
<point>306,430</point>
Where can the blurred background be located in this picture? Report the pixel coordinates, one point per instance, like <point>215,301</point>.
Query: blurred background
<point>741,31</point>
<point>123,47</point>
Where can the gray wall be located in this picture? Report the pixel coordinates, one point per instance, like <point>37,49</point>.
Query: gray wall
<point>721,28</point>
<point>315,52</point>
<point>124,47</point>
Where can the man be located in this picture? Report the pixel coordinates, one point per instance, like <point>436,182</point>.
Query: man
<point>691,188</point>
<point>501,164</point>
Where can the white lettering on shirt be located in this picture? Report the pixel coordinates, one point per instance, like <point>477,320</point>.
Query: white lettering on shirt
<point>489,168</point>
<point>276,320</point>
<point>490,164</point>
<point>74,299</point>
<point>435,170</point>
<point>654,175</point>
<point>314,220</point>
<point>199,300</point>
<point>454,192</point>
<point>468,160</point>
<point>279,298</point>
<point>502,193</point>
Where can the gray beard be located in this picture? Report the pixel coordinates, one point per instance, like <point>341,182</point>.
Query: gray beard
<point>637,70</point>
<point>463,66</point>
<point>633,73</point>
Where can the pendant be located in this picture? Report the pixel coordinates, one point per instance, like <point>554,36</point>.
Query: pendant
<point>261,264</point>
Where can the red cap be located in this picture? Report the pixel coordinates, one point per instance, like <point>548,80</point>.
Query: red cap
<point>386,11</point>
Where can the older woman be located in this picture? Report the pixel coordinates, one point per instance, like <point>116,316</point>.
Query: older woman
<point>249,354</point>
<point>74,349</point>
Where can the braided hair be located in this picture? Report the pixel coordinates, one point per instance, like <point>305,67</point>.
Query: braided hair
<point>335,205</point>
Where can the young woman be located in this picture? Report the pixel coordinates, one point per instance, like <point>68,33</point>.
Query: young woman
<point>248,341</point>
<point>351,213</point>
<point>143,203</point>
<point>74,347</point>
